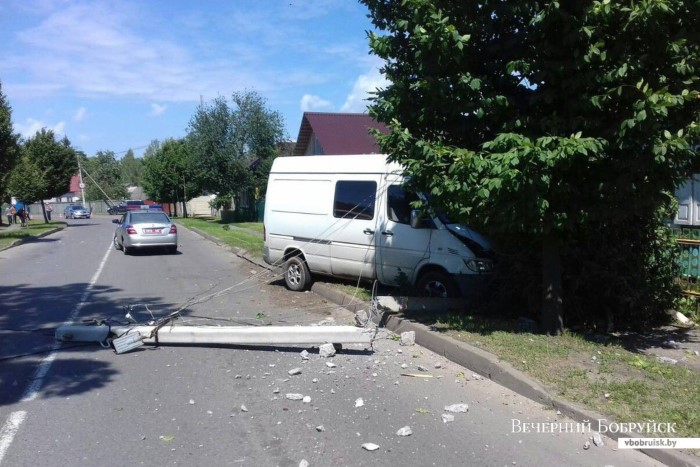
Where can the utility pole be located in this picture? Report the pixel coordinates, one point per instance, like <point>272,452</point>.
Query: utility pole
<point>80,176</point>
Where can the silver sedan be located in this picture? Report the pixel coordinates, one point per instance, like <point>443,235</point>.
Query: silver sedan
<point>145,229</point>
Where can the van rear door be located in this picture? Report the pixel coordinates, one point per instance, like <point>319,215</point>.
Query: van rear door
<point>352,233</point>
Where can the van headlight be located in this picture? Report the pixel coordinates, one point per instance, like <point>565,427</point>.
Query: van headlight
<point>479,265</point>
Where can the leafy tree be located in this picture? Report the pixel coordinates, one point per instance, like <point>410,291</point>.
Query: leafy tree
<point>9,144</point>
<point>563,122</point>
<point>131,169</point>
<point>56,161</point>
<point>226,140</point>
<point>27,181</point>
<point>167,176</point>
<point>104,176</point>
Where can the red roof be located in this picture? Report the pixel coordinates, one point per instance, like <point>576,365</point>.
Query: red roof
<point>74,184</point>
<point>339,133</point>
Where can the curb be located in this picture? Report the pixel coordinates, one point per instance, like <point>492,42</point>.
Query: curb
<point>479,361</point>
<point>20,241</point>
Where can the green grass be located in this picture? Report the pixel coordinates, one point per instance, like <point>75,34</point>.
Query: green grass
<point>229,233</point>
<point>638,388</point>
<point>34,228</point>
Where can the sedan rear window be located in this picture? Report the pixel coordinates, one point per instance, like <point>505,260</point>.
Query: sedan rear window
<point>149,218</point>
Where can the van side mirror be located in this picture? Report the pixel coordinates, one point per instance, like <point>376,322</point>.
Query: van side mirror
<point>419,219</point>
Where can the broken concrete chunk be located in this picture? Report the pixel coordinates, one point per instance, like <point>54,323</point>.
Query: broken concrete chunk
<point>244,408</point>
<point>408,338</point>
<point>405,431</point>
<point>306,399</point>
<point>586,445</point>
<point>359,402</point>
<point>457,408</point>
<point>304,354</point>
<point>370,447</point>
<point>304,463</point>
<point>361,318</point>
<point>294,397</point>
<point>320,428</point>
<point>330,364</point>
<point>326,350</point>
<point>598,440</point>
<point>447,418</point>
<point>681,318</point>
<point>422,368</point>
<point>669,360</point>
<point>294,371</point>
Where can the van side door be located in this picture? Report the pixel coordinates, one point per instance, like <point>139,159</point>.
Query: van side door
<point>401,248</point>
<point>353,230</point>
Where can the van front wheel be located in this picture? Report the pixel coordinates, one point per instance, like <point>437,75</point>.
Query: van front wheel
<point>437,284</point>
<point>297,276</point>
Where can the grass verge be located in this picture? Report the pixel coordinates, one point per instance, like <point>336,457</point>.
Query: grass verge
<point>33,229</point>
<point>596,372</point>
<point>246,235</point>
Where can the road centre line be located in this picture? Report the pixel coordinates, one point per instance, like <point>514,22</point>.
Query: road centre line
<point>11,426</point>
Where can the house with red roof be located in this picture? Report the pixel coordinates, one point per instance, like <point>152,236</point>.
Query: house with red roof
<point>337,133</point>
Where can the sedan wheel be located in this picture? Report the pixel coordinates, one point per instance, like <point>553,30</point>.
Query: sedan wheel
<point>117,246</point>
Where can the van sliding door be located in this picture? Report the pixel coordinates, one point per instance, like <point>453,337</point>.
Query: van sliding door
<point>353,232</point>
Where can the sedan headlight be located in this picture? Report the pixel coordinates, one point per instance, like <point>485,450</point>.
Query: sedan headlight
<point>479,265</point>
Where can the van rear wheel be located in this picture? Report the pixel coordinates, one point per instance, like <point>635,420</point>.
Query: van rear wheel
<point>297,276</point>
<point>437,284</point>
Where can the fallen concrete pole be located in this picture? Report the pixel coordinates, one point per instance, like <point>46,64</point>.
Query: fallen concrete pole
<point>245,335</point>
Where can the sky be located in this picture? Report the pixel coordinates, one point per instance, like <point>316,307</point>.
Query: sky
<point>115,75</point>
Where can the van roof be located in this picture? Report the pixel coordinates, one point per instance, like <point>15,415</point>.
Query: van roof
<point>356,163</point>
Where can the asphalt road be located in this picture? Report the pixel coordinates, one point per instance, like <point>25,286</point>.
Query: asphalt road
<point>227,405</point>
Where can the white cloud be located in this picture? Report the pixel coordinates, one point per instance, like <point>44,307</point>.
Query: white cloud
<point>80,114</point>
<point>31,126</point>
<point>310,103</point>
<point>364,85</point>
<point>157,110</point>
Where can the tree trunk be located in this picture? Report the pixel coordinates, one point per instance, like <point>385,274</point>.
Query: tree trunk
<point>552,311</point>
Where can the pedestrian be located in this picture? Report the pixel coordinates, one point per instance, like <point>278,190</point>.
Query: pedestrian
<point>22,214</point>
<point>49,210</point>
<point>8,213</point>
<point>13,213</point>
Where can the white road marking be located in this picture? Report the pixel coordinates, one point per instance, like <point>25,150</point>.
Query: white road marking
<point>9,430</point>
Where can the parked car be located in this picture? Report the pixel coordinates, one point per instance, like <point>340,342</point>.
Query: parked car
<point>76,211</point>
<point>145,229</point>
<point>114,210</point>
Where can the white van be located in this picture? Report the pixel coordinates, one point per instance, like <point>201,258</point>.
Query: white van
<point>350,217</point>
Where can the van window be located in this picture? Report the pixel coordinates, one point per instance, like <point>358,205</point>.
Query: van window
<point>354,199</point>
<point>399,204</point>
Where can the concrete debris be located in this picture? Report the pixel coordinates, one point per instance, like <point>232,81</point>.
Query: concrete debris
<point>422,368</point>
<point>361,318</point>
<point>447,418</point>
<point>438,365</point>
<point>681,318</point>
<point>191,401</point>
<point>276,391</point>
<point>370,447</point>
<point>669,360</point>
<point>598,440</point>
<point>405,431</point>
<point>404,366</point>
<point>330,365</point>
<point>294,371</point>
<point>304,463</point>
<point>359,402</point>
<point>586,445</point>
<point>476,377</point>
<point>408,338</point>
<point>238,377</point>
<point>315,380</point>
<point>320,428</point>
<point>326,350</point>
<point>244,408</point>
<point>304,354</point>
<point>306,399</point>
<point>457,408</point>
<point>606,395</point>
<point>294,397</point>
